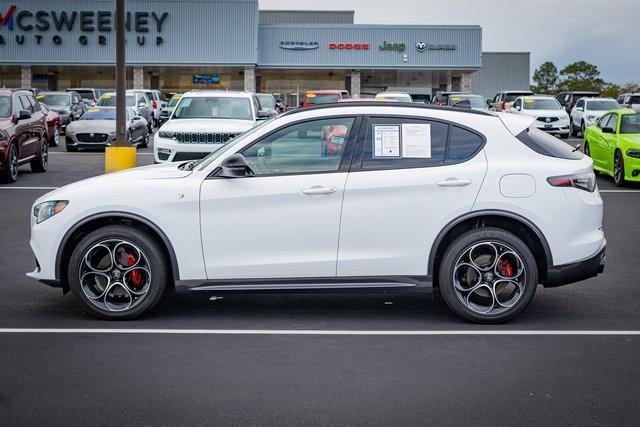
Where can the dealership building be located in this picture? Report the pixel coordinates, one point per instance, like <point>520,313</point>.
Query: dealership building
<point>177,46</point>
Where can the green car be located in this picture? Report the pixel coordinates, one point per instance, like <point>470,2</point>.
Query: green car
<point>614,145</point>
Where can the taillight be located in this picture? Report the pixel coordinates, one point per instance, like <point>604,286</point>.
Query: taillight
<point>584,181</point>
<point>154,104</point>
<point>503,105</point>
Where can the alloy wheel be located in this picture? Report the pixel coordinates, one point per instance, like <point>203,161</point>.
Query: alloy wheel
<point>489,278</point>
<point>56,136</point>
<point>44,154</point>
<point>12,164</point>
<point>618,169</point>
<point>115,275</point>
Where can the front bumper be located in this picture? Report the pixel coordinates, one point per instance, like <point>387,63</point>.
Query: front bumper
<point>72,141</point>
<point>577,271</point>
<point>168,150</point>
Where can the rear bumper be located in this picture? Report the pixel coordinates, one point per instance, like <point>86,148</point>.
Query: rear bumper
<point>575,272</point>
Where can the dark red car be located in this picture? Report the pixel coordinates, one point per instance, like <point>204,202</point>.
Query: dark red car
<point>316,97</point>
<point>53,125</point>
<point>23,134</point>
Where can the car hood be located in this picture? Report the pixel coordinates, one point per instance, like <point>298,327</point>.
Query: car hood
<point>207,125</point>
<point>545,113</point>
<point>97,126</point>
<point>633,138</point>
<point>126,179</point>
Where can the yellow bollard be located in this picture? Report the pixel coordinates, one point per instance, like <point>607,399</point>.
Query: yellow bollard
<point>119,158</point>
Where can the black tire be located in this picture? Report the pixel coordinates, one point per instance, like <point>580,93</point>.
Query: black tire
<point>461,246</point>
<point>40,163</point>
<point>54,140</point>
<point>72,148</point>
<point>618,169</point>
<point>157,264</point>
<point>10,168</point>
<point>583,128</point>
<point>564,136</point>
<point>145,141</point>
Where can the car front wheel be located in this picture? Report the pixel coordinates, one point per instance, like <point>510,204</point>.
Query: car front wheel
<point>488,275</point>
<point>118,272</point>
<point>618,169</point>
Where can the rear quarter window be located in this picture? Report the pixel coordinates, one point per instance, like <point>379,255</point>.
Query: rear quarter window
<point>547,145</point>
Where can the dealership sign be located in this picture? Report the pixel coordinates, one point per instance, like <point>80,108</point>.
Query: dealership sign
<point>35,25</point>
<point>422,46</point>
<point>348,46</point>
<point>299,45</point>
<point>393,47</point>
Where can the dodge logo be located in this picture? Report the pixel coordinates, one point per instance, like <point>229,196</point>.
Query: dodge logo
<point>421,46</point>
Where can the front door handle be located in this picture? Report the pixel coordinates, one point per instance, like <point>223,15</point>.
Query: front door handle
<point>318,190</point>
<point>453,182</point>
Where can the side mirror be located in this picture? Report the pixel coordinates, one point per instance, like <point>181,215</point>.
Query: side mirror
<point>234,166</point>
<point>264,114</point>
<point>24,115</point>
<point>608,129</point>
<point>488,103</point>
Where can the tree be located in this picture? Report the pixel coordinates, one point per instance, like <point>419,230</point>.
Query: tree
<point>611,90</point>
<point>546,78</point>
<point>581,75</point>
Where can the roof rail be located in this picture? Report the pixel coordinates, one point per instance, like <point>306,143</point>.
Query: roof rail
<point>374,103</point>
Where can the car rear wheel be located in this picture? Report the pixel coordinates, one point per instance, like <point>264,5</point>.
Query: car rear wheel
<point>54,141</point>
<point>10,169</point>
<point>488,275</point>
<point>118,272</point>
<point>618,169</point>
<point>40,163</point>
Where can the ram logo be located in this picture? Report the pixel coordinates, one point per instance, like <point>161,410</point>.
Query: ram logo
<point>421,46</point>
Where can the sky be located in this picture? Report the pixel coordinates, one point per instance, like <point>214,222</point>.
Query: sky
<point>605,33</point>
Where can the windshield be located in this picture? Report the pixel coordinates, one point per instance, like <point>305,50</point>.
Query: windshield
<point>55,100</point>
<point>110,101</point>
<point>315,98</point>
<point>602,105</point>
<point>211,157</point>
<point>214,107</point>
<point>395,97</point>
<point>99,114</point>
<point>630,123</point>
<point>541,104</point>
<point>474,101</point>
<point>86,94</point>
<point>5,106</point>
<point>267,102</point>
<point>173,101</point>
<point>510,97</point>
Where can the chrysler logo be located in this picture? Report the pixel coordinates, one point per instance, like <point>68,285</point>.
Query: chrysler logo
<point>299,45</point>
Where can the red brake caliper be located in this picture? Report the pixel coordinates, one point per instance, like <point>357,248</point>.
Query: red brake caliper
<point>136,275</point>
<point>506,267</point>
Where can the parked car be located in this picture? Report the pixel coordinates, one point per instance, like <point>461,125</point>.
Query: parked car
<point>614,144</point>
<point>167,110</point>
<point>53,125</point>
<point>157,103</point>
<point>587,111</point>
<point>136,100</point>
<point>395,96</point>
<point>204,121</point>
<point>502,101</point>
<point>23,134</point>
<point>483,206</point>
<point>89,95</point>
<point>473,101</point>
<point>316,97</point>
<point>97,129</point>
<point>68,105</point>
<point>267,102</point>
<point>442,97</point>
<point>630,100</point>
<point>548,113</point>
<point>569,99</point>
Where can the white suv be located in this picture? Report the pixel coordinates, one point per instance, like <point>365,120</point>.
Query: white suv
<point>369,196</point>
<point>204,121</point>
<point>546,110</point>
<point>587,111</point>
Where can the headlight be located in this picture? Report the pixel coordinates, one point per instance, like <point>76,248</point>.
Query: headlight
<point>45,210</point>
<point>165,134</point>
<point>633,153</point>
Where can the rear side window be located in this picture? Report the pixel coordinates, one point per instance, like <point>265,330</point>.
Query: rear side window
<point>547,145</point>
<point>463,144</point>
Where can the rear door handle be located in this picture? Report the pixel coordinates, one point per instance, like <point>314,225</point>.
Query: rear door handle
<point>453,182</point>
<point>318,190</point>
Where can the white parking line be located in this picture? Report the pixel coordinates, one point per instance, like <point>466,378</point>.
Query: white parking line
<point>314,332</point>
<point>619,191</point>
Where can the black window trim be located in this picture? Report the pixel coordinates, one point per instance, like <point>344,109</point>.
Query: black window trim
<point>347,155</point>
<point>358,158</point>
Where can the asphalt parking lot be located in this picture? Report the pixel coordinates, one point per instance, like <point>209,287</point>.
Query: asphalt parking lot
<point>383,358</point>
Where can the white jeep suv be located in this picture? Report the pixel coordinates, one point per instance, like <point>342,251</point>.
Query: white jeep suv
<point>204,121</point>
<point>370,195</point>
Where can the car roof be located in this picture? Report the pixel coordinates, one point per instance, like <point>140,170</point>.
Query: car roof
<point>393,92</point>
<point>54,92</point>
<point>600,98</point>
<point>221,93</point>
<point>381,103</point>
<point>537,96</point>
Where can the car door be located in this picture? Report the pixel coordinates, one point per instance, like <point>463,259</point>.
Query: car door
<point>409,178</point>
<point>610,142</point>
<point>597,142</point>
<point>39,118</point>
<point>283,222</point>
<point>28,130</point>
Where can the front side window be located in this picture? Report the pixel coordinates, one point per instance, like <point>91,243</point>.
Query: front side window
<point>613,122</point>
<point>5,106</point>
<point>630,123</point>
<point>214,107</point>
<point>310,147</point>
<point>267,102</point>
<point>603,120</point>
<point>580,104</point>
<point>26,105</point>
<point>634,100</point>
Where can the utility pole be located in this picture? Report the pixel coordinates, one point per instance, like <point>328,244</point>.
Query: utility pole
<point>121,78</point>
